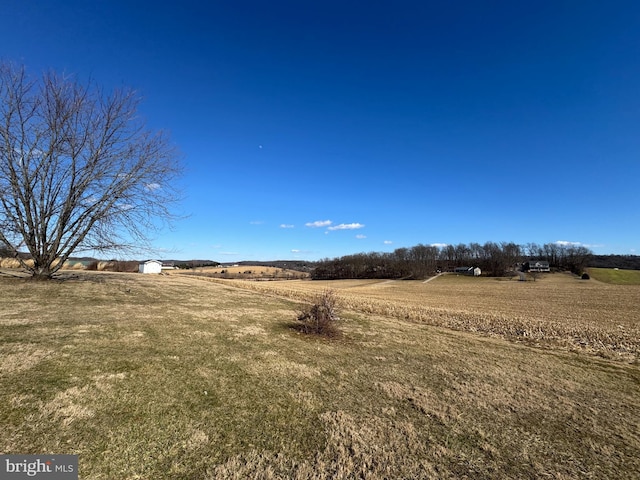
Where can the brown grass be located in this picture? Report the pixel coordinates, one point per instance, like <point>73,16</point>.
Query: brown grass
<point>245,272</point>
<point>170,377</point>
<point>556,310</point>
<point>14,264</point>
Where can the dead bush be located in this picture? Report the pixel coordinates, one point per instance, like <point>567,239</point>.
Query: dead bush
<point>321,316</point>
<point>92,266</point>
<point>125,266</point>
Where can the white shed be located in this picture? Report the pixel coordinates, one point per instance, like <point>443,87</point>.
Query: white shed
<point>476,272</point>
<point>150,266</point>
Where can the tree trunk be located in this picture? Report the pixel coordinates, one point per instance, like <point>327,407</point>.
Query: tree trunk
<point>42,274</point>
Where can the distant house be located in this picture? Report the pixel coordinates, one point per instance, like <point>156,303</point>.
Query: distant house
<point>472,271</point>
<point>537,266</point>
<point>150,266</point>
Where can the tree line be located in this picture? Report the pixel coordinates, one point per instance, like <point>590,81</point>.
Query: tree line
<point>422,261</point>
<point>627,262</point>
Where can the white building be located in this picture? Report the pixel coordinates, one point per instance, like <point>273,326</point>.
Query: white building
<point>538,266</point>
<point>150,266</point>
<point>476,272</point>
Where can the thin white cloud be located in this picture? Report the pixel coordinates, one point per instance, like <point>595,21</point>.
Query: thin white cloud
<point>346,226</point>
<point>284,225</point>
<point>152,186</point>
<point>297,251</point>
<point>439,245</point>
<point>565,243</point>
<point>34,153</point>
<point>319,224</point>
<point>387,242</point>
<point>90,200</point>
<point>125,206</point>
<point>360,237</point>
<point>256,222</point>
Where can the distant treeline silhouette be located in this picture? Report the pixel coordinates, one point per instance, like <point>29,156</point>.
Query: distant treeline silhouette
<point>627,262</point>
<point>422,261</point>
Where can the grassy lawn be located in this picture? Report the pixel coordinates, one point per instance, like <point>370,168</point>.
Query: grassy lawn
<point>173,377</point>
<point>616,277</point>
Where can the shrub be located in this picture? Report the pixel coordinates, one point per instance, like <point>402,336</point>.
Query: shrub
<point>585,276</point>
<point>125,266</point>
<point>93,266</point>
<point>321,316</point>
<point>105,266</point>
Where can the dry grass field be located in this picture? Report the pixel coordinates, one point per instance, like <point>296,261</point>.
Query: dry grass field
<point>245,272</point>
<point>556,310</point>
<point>173,377</point>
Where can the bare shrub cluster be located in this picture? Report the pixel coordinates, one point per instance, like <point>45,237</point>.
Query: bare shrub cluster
<point>93,266</point>
<point>128,266</point>
<point>320,317</point>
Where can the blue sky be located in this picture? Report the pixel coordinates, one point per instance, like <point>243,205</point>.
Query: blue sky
<point>319,129</point>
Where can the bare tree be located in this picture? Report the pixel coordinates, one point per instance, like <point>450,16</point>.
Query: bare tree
<point>79,170</point>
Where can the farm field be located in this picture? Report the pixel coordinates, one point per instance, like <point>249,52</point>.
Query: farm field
<point>556,310</point>
<point>615,276</point>
<point>246,272</point>
<point>174,377</point>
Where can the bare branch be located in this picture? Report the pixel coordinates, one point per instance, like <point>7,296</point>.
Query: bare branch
<point>78,169</point>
